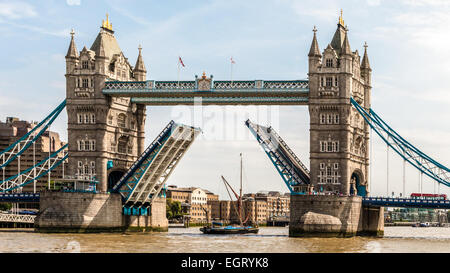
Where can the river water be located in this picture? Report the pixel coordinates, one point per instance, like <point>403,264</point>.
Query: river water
<point>268,240</point>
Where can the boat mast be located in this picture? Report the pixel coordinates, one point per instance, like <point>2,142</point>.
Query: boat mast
<point>240,193</point>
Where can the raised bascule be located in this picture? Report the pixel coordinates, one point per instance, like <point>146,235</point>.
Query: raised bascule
<point>106,100</point>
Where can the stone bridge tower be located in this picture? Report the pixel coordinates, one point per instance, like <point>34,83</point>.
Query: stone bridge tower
<point>339,137</point>
<point>105,134</point>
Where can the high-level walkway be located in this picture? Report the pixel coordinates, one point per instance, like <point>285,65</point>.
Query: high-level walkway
<point>258,92</point>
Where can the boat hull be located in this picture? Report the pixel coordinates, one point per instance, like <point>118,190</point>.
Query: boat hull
<point>209,230</point>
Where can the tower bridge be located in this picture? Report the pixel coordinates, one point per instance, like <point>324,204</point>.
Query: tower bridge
<point>106,99</point>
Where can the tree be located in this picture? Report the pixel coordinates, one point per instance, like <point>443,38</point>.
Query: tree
<point>173,209</point>
<point>5,206</point>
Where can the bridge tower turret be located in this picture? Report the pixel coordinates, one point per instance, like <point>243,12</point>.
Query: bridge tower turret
<point>339,137</point>
<point>105,134</point>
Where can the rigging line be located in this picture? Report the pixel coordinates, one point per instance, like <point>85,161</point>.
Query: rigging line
<point>231,199</point>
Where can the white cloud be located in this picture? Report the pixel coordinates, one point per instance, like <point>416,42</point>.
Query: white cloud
<point>373,2</point>
<point>16,10</point>
<point>418,3</point>
<point>73,2</point>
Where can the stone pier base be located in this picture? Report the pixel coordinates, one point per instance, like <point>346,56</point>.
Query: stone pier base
<point>372,222</point>
<point>156,221</point>
<point>333,216</point>
<point>88,212</point>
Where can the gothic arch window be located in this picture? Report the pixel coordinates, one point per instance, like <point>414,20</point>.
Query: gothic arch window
<point>329,62</point>
<point>122,145</point>
<point>121,120</point>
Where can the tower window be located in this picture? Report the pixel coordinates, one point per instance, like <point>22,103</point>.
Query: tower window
<point>322,119</point>
<point>122,145</point>
<point>84,64</point>
<point>329,63</point>
<point>80,118</point>
<point>85,83</point>
<point>329,146</point>
<point>335,81</point>
<point>121,120</point>
<point>330,118</point>
<point>329,81</point>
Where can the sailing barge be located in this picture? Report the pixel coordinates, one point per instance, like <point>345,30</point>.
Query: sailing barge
<point>218,228</point>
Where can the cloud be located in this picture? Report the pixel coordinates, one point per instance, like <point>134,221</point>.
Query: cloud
<point>73,2</point>
<point>58,33</point>
<point>16,10</point>
<point>419,3</point>
<point>373,2</point>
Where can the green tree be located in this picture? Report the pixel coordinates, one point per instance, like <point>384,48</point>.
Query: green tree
<point>5,206</point>
<point>173,209</point>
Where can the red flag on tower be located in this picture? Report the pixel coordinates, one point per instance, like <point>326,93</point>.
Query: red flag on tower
<point>181,61</point>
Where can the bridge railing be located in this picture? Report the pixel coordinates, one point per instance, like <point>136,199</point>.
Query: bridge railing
<point>189,86</point>
<point>17,218</point>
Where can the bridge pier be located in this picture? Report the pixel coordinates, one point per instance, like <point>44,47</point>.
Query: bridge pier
<point>156,221</point>
<point>333,216</point>
<point>64,212</point>
<point>372,221</point>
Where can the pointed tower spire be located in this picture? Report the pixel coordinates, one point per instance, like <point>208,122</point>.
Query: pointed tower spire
<point>339,35</point>
<point>314,51</point>
<point>365,61</point>
<point>72,52</point>
<point>140,66</point>
<point>346,45</point>
<point>140,73</point>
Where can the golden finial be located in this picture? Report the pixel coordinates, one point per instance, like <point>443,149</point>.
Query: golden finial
<point>204,75</point>
<point>106,24</point>
<point>341,19</point>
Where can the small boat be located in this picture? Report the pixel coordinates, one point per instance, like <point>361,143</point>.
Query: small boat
<point>229,230</point>
<point>425,224</point>
<point>218,228</point>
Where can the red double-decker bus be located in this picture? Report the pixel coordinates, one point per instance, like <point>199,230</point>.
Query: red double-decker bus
<point>429,196</point>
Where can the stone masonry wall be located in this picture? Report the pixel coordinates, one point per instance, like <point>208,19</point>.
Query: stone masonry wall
<point>324,215</point>
<point>79,212</point>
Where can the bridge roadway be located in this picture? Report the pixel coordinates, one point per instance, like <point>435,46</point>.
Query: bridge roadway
<point>25,197</point>
<point>405,203</point>
<point>367,201</point>
<point>258,92</point>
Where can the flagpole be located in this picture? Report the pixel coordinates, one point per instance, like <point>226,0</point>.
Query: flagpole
<point>231,72</point>
<point>178,76</point>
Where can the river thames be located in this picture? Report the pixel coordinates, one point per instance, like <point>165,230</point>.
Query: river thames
<point>191,240</point>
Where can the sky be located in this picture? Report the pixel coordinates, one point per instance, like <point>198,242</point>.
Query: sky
<point>408,43</point>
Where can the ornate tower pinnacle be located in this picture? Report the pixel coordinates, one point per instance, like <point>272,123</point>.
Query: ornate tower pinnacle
<point>346,45</point>
<point>106,24</point>
<point>72,51</point>
<point>139,68</point>
<point>314,50</point>
<point>341,19</point>
<point>365,61</point>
